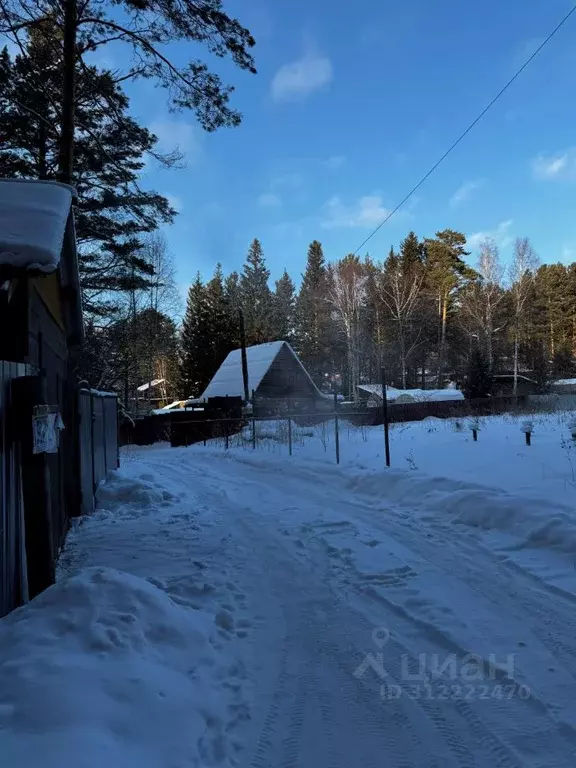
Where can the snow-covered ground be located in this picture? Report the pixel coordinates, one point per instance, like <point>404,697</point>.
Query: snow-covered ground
<point>445,448</point>
<point>246,608</point>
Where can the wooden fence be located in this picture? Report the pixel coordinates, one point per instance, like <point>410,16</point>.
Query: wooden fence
<point>445,409</point>
<point>98,441</point>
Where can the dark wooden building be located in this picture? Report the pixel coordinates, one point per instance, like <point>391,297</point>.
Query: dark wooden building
<point>40,322</point>
<point>276,377</point>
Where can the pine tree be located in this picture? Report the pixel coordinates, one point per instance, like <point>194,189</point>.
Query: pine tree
<point>220,318</point>
<point>446,273</point>
<point>563,363</point>
<point>411,251</point>
<point>196,351</point>
<point>552,310</point>
<point>113,211</point>
<point>479,379</point>
<point>541,367</point>
<point>256,296</point>
<point>146,28</point>
<point>312,336</point>
<point>283,308</point>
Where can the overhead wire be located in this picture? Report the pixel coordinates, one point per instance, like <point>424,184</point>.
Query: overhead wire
<point>463,135</point>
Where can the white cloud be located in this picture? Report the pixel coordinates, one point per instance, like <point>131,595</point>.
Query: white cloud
<point>368,211</point>
<point>558,166</point>
<point>269,200</point>
<point>334,163</point>
<point>464,192</point>
<point>177,134</point>
<point>500,235</point>
<point>300,78</point>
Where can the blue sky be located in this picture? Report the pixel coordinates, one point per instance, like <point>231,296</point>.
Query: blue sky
<point>352,104</point>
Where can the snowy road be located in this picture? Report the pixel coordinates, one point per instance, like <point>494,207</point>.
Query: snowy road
<point>364,635</point>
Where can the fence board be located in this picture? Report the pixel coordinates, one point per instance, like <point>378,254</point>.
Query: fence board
<point>98,441</point>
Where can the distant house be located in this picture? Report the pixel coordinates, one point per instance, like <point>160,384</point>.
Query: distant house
<point>40,322</point>
<point>153,393</point>
<point>275,375</point>
<point>371,395</point>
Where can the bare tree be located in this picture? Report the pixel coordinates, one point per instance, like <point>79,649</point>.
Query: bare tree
<point>162,292</point>
<point>525,262</point>
<point>401,293</point>
<point>346,292</point>
<point>482,298</point>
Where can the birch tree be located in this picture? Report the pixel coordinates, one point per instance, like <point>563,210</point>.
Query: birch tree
<point>346,294</point>
<point>521,273</point>
<point>483,298</point>
<point>401,293</point>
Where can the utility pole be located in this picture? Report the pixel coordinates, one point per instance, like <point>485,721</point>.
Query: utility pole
<point>244,357</point>
<point>385,416</point>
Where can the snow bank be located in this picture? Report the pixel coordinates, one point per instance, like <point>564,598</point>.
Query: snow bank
<point>120,493</point>
<point>104,669</point>
<point>535,522</point>
<point>33,217</point>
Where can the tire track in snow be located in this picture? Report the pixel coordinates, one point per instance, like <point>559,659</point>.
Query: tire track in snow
<point>452,721</point>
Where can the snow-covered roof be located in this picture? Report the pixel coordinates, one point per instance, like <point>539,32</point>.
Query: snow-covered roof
<point>149,384</point>
<point>565,382</point>
<point>412,395</point>
<point>228,378</point>
<point>33,217</point>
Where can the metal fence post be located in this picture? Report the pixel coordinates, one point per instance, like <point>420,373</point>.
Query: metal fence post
<point>226,430</point>
<point>336,430</point>
<point>385,416</point>
<point>289,435</point>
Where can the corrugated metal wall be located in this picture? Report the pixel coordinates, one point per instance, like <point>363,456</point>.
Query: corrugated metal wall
<point>12,557</point>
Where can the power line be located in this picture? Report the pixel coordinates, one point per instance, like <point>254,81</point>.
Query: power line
<point>467,131</point>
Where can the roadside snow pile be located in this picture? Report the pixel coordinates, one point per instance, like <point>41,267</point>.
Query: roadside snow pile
<point>120,492</point>
<point>535,522</point>
<point>104,669</point>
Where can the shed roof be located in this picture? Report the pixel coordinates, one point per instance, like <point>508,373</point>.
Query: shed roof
<point>150,384</point>
<point>33,219</point>
<point>228,378</point>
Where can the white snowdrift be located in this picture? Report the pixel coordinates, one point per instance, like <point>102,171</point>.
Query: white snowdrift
<point>536,522</point>
<point>104,669</point>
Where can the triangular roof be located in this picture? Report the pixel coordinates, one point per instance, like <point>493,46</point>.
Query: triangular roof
<point>228,381</point>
